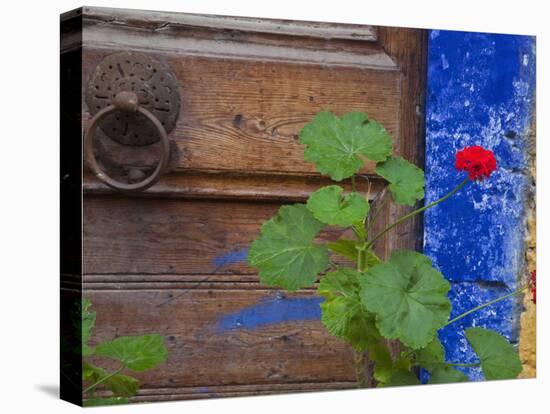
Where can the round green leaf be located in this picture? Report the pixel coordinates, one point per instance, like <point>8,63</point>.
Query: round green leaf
<point>444,374</point>
<point>406,180</point>
<point>409,298</point>
<point>345,318</point>
<point>120,384</point>
<point>329,206</point>
<point>285,253</point>
<point>401,377</point>
<point>431,355</point>
<point>342,312</point>
<point>337,145</point>
<point>138,353</point>
<point>344,281</point>
<point>499,359</point>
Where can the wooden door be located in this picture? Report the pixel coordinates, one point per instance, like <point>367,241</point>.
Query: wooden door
<point>172,258</point>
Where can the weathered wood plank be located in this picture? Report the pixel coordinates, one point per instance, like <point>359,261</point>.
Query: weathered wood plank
<point>234,337</point>
<point>148,236</point>
<point>245,115</point>
<point>214,391</point>
<point>171,21</point>
<point>192,185</point>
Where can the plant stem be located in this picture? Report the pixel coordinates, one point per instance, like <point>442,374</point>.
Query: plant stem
<point>359,360</point>
<point>458,364</point>
<point>361,256</point>
<point>462,315</point>
<point>383,201</point>
<point>415,212</point>
<point>102,380</point>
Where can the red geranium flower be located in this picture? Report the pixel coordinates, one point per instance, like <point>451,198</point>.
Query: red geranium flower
<point>477,161</point>
<point>534,286</point>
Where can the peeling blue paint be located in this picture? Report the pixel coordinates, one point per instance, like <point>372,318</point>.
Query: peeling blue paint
<point>233,257</point>
<point>480,92</point>
<point>271,311</point>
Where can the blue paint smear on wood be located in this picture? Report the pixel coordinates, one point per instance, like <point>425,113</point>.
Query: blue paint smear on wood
<point>232,257</point>
<point>480,92</point>
<point>271,311</point>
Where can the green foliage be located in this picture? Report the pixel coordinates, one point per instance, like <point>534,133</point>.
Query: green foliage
<point>403,298</point>
<point>329,206</point>
<point>443,374</point>
<point>432,358</point>
<point>88,320</point>
<point>402,377</point>
<point>119,384</point>
<point>285,252</point>
<point>499,359</point>
<point>337,146</point>
<point>409,298</point>
<point>342,312</point>
<point>344,247</point>
<point>348,248</point>
<point>432,355</point>
<point>137,353</point>
<point>383,362</point>
<point>406,180</point>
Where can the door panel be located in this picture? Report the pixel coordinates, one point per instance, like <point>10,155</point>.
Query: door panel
<point>172,259</point>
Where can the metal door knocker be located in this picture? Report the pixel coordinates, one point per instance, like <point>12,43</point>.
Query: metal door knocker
<point>134,100</point>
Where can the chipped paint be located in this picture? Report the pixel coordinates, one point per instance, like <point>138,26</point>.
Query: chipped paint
<point>233,257</point>
<point>269,311</point>
<point>480,92</point>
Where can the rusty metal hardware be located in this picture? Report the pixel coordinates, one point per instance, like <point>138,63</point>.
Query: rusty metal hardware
<point>135,101</point>
<point>126,102</point>
<point>153,83</point>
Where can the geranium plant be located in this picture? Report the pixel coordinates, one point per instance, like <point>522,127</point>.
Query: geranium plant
<point>131,353</point>
<point>401,298</point>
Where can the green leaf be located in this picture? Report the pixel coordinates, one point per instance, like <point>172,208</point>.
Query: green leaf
<point>372,259</point>
<point>431,355</point>
<point>499,359</point>
<point>344,247</point>
<point>344,281</point>
<point>88,320</point>
<point>329,206</point>
<point>138,353</point>
<point>443,374</point>
<point>345,318</point>
<point>96,402</point>
<point>383,363</point>
<point>342,312</point>
<point>285,253</point>
<point>408,296</point>
<point>120,384</point>
<point>348,248</point>
<point>337,145</point>
<point>406,180</point>
<point>402,377</point>
<point>360,230</point>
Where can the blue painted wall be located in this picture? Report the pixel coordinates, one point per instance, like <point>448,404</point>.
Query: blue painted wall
<point>480,92</point>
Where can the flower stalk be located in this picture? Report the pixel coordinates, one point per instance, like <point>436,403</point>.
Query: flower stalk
<point>417,211</point>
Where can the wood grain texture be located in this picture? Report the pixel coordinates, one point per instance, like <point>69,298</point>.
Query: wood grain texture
<point>221,391</point>
<point>408,48</point>
<point>246,187</point>
<point>245,116</point>
<point>155,262</point>
<point>201,354</point>
<point>172,21</point>
<point>148,236</point>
